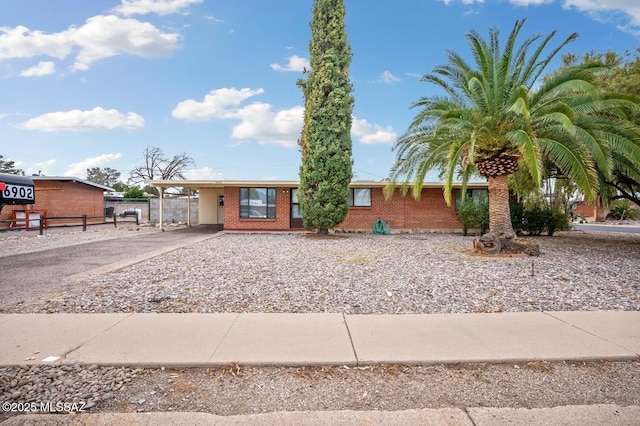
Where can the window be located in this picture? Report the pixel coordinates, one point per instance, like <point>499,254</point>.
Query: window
<point>295,205</point>
<point>479,196</point>
<point>257,203</point>
<point>359,197</point>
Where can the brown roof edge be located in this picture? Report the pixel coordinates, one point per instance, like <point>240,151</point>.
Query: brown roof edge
<point>71,179</point>
<point>286,184</point>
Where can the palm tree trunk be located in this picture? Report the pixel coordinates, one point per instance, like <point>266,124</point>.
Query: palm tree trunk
<point>501,237</point>
<point>499,211</point>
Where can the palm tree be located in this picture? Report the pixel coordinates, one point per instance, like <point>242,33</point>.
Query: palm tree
<point>502,117</point>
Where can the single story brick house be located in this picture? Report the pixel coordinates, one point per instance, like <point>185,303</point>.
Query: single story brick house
<point>273,205</point>
<point>58,196</point>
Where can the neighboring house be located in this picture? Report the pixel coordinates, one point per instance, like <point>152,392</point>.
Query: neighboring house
<point>59,196</point>
<point>589,211</point>
<point>273,206</point>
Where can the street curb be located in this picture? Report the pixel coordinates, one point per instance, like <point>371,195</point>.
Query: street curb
<point>578,415</point>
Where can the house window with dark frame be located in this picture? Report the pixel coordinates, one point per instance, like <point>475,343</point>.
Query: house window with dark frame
<point>359,197</point>
<point>257,203</point>
<point>478,196</point>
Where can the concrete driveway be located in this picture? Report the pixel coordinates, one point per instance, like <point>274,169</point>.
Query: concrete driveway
<point>29,276</point>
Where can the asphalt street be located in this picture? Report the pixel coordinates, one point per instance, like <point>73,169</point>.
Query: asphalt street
<point>27,276</point>
<point>607,228</point>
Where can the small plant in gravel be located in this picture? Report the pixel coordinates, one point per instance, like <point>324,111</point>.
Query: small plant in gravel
<point>623,210</point>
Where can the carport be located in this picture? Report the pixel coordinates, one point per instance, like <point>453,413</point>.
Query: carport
<point>210,199</point>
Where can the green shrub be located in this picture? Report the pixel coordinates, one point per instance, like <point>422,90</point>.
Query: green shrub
<point>558,222</point>
<point>535,219</point>
<point>472,214</point>
<point>517,217</point>
<point>482,216</point>
<point>622,210</point>
<point>134,192</point>
<point>467,215</point>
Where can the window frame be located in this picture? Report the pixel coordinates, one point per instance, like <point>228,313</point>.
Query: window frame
<point>352,197</point>
<point>270,203</point>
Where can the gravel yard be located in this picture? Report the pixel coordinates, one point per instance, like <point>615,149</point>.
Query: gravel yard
<point>347,273</point>
<point>363,274</point>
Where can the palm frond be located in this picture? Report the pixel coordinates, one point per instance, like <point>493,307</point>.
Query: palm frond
<point>573,160</point>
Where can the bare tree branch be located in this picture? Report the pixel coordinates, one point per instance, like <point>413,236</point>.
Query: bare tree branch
<point>158,166</point>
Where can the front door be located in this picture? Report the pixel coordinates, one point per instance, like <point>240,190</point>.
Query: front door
<point>296,217</point>
<point>220,209</point>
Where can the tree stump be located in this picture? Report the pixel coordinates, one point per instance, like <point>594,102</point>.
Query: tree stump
<point>487,244</point>
<point>493,243</point>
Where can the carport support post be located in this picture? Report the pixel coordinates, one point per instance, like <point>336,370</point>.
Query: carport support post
<point>161,191</point>
<point>189,207</point>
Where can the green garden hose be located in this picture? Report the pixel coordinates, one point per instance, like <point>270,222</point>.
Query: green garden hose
<point>381,227</point>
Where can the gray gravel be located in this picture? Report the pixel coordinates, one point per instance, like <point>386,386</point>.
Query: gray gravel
<point>59,388</point>
<point>245,390</point>
<point>365,274</point>
<point>354,274</point>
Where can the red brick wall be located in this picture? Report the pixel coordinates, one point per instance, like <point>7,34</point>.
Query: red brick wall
<point>589,211</point>
<point>62,199</point>
<point>233,221</point>
<point>403,213</point>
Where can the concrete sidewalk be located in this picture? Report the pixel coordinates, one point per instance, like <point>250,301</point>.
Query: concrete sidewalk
<point>155,340</point>
<point>201,340</point>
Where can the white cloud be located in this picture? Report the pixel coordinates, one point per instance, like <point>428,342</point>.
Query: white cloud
<point>21,42</point>
<point>204,173</point>
<point>76,120</point>
<point>604,9</point>
<point>213,18</point>
<point>38,168</point>
<point>80,169</point>
<point>388,78</point>
<point>530,2</point>
<point>624,13</point>
<point>160,7</point>
<point>295,63</point>
<point>467,2</point>
<point>100,37</point>
<point>105,36</point>
<point>259,122</point>
<point>43,68</point>
<point>372,134</point>
<point>415,75</point>
<point>219,103</point>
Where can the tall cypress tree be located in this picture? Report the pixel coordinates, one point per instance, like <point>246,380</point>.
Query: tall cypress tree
<point>325,143</point>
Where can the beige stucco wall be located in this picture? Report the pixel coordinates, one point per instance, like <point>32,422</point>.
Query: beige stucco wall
<point>209,211</point>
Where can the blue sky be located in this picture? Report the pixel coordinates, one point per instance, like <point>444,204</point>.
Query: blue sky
<point>93,83</point>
